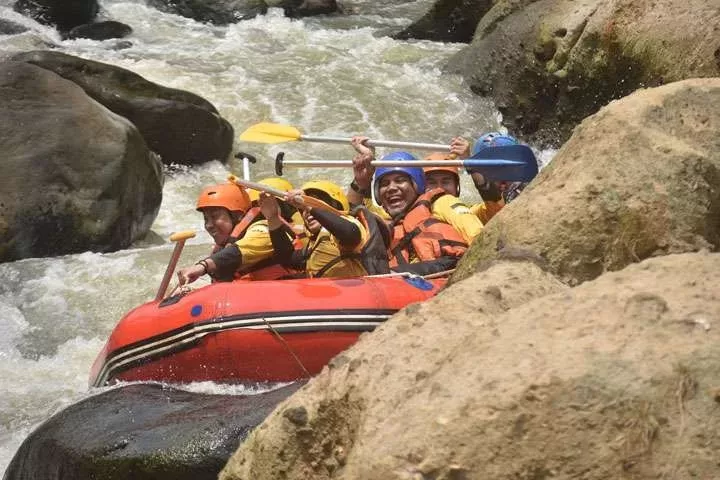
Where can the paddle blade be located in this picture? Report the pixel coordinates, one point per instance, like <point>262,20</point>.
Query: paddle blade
<point>266,132</point>
<point>520,164</point>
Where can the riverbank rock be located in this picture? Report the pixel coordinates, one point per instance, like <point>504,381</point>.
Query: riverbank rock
<point>181,127</point>
<point>548,64</point>
<point>615,378</point>
<point>76,177</point>
<point>142,432</point>
<point>640,178</point>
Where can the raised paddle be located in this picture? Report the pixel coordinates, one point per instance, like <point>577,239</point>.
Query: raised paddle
<point>304,199</point>
<point>521,165</point>
<point>179,238</point>
<point>266,132</point>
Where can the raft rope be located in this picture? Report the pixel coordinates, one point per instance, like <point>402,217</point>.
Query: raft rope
<point>412,275</point>
<point>287,347</point>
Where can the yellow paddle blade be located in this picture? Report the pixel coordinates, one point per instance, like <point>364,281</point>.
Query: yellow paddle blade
<point>266,132</point>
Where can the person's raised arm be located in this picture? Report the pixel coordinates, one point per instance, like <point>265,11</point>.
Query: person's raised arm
<point>346,232</point>
<point>362,171</point>
<point>279,236</point>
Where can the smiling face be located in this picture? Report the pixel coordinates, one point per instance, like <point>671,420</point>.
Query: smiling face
<point>445,180</point>
<point>218,223</point>
<point>396,193</point>
<point>312,225</point>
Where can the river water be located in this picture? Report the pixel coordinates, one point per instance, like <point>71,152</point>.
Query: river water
<point>329,76</point>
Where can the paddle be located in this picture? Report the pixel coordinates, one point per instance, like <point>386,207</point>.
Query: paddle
<point>520,166</point>
<point>304,199</point>
<point>180,238</point>
<point>266,132</point>
<point>524,168</point>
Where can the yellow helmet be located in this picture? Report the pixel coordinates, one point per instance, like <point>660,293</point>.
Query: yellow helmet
<point>331,194</point>
<point>274,182</point>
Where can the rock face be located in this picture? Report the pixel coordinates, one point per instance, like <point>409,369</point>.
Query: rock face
<point>142,432</point>
<point>550,63</point>
<point>616,378</point>
<point>76,177</point>
<point>180,126</point>
<point>640,178</point>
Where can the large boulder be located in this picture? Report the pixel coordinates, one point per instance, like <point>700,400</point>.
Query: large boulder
<point>640,178</point>
<point>64,14</point>
<point>181,127</point>
<point>76,177</point>
<point>616,378</point>
<point>142,432</point>
<point>550,63</point>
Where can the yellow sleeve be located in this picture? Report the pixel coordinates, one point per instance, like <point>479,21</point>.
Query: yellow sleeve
<point>450,209</point>
<point>376,209</point>
<point>255,245</point>
<point>485,211</point>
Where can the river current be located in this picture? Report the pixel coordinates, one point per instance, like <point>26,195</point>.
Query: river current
<point>329,76</point>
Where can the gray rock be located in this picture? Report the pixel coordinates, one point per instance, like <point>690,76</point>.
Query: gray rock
<point>180,126</point>
<point>76,177</point>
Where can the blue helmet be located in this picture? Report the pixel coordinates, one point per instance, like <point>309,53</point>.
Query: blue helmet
<point>415,173</point>
<point>493,139</point>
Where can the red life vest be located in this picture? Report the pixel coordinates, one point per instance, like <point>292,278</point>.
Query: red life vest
<point>419,234</point>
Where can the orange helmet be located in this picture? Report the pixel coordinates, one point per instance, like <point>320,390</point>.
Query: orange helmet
<point>449,169</point>
<point>227,195</point>
<point>441,156</point>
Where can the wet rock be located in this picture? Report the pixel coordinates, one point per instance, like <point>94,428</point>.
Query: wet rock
<point>448,21</point>
<point>64,14</point>
<point>142,432</point>
<point>217,12</point>
<point>100,31</point>
<point>11,28</point>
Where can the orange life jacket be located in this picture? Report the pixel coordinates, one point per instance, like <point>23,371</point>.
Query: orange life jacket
<point>267,269</point>
<point>419,234</point>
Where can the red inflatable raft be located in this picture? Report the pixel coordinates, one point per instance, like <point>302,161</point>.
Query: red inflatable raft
<point>251,331</point>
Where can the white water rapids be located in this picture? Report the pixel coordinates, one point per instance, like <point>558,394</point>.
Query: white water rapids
<point>327,76</point>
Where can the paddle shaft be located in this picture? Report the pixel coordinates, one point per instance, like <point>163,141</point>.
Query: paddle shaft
<point>179,245</point>
<point>400,163</point>
<point>305,199</point>
<point>378,143</point>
